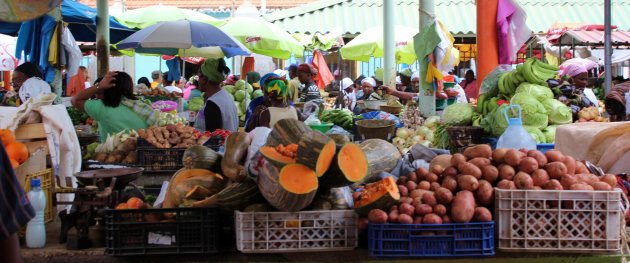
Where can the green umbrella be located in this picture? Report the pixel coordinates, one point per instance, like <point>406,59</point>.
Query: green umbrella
<point>146,16</point>
<point>370,44</point>
<point>263,37</point>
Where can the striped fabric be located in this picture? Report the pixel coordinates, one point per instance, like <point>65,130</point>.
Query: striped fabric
<point>145,111</point>
<point>15,209</point>
<point>311,93</point>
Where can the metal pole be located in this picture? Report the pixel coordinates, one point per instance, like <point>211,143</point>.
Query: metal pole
<point>607,46</point>
<point>389,43</point>
<point>102,37</point>
<point>427,100</point>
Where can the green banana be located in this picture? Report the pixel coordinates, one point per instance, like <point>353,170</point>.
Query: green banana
<point>480,101</point>
<point>501,83</point>
<point>528,73</point>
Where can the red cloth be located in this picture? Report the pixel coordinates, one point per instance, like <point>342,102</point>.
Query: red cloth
<point>324,76</point>
<point>248,66</point>
<point>76,84</point>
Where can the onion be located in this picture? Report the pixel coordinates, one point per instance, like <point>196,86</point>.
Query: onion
<point>432,121</point>
<point>403,133</point>
<point>423,131</point>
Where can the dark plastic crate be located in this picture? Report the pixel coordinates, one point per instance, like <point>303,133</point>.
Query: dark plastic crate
<point>192,231</point>
<point>160,160</point>
<point>430,240</point>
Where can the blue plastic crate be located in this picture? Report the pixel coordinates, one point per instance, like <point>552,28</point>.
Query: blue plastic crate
<point>544,147</point>
<point>431,240</point>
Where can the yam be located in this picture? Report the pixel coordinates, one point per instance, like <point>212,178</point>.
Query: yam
<point>424,185</point>
<point>523,181</point>
<point>446,219</point>
<point>412,177</point>
<point>423,209</point>
<point>457,159</point>
<point>470,169</point>
<point>480,162</point>
<point>429,199</point>
<point>439,210</point>
<point>556,170</point>
<point>406,208</point>
<point>463,207</point>
<point>506,172</point>
<point>490,173</point>
<point>402,180</point>
<point>443,196</point>
<point>553,184</point>
<point>498,156</point>
<point>467,182</point>
<point>540,177</point>
<point>431,219</point>
<point>513,157</point>
<point>506,184</point>
<point>540,157</point>
<point>570,163</point>
<point>434,186</point>
<point>450,171</point>
<point>484,194</point>
<point>482,150</point>
<point>587,178</point>
<point>405,200</point>
<point>601,186</point>
<point>482,214</point>
<point>405,219</point>
<point>377,216</point>
<point>554,156</point>
<point>528,165</point>
<point>450,183</point>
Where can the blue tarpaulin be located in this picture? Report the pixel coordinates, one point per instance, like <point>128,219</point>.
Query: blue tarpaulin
<point>173,68</point>
<point>34,39</point>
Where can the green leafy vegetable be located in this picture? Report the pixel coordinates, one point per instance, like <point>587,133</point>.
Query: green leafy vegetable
<point>541,93</point>
<point>534,113</point>
<point>538,136</point>
<point>558,112</point>
<point>550,133</point>
<point>495,122</point>
<point>458,114</point>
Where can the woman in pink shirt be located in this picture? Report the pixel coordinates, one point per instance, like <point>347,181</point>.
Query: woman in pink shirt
<point>469,84</point>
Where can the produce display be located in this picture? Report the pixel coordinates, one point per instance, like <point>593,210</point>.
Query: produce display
<point>242,93</point>
<point>339,117</point>
<point>172,136</point>
<point>460,187</point>
<point>590,114</point>
<point>195,104</point>
<point>17,151</point>
<point>79,117</point>
<point>411,116</point>
<point>117,148</point>
<point>422,134</point>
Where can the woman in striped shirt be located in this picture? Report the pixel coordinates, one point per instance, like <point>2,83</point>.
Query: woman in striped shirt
<point>306,72</point>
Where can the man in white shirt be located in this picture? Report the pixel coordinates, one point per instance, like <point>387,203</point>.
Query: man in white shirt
<point>348,98</point>
<point>167,84</point>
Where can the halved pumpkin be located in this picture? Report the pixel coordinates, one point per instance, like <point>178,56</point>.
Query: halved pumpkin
<point>290,189</point>
<point>316,151</point>
<point>198,156</point>
<point>276,156</point>
<point>184,181</point>
<point>349,166</point>
<point>378,195</point>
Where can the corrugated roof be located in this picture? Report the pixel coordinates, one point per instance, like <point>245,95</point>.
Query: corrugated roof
<point>203,4</point>
<point>459,16</point>
<point>596,37</point>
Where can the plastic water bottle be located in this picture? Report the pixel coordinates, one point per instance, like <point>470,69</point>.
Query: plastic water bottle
<point>515,136</point>
<point>35,230</point>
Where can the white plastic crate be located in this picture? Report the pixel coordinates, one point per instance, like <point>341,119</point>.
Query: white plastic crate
<point>306,231</point>
<point>559,221</point>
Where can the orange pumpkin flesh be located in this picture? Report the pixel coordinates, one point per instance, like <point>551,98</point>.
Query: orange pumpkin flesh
<point>134,203</point>
<point>276,157</point>
<point>6,136</point>
<point>325,158</point>
<point>298,179</point>
<point>378,195</point>
<point>17,151</point>
<point>352,162</point>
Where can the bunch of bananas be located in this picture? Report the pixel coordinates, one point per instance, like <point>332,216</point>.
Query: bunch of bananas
<point>533,71</point>
<point>342,118</point>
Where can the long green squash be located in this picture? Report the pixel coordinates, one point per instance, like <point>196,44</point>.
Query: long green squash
<point>382,156</point>
<point>235,196</point>
<point>287,131</point>
<point>233,160</point>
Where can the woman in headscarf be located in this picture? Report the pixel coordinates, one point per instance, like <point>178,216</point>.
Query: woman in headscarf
<point>275,106</point>
<point>306,72</point>
<point>219,111</point>
<point>191,91</point>
<point>252,77</point>
<point>369,84</point>
<point>21,73</point>
<point>578,75</point>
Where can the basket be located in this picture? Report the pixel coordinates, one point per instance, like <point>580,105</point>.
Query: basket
<point>391,109</point>
<point>306,231</point>
<point>461,137</point>
<point>192,231</point>
<point>429,240</point>
<point>544,147</point>
<point>172,106</point>
<point>376,129</point>
<point>554,221</point>
<point>158,159</point>
<point>323,127</point>
<point>374,104</point>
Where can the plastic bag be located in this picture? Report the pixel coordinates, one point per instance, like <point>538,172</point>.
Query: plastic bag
<point>312,119</point>
<point>338,130</point>
<point>490,84</point>
<point>381,115</point>
<point>310,108</point>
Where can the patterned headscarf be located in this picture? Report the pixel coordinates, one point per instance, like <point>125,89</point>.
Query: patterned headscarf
<point>276,89</point>
<point>214,69</point>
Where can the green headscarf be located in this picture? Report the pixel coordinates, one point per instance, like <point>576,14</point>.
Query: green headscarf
<point>214,69</point>
<point>276,89</point>
<point>253,77</point>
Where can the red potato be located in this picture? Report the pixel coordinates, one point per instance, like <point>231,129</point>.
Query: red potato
<point>406,200</point>
<point>485,193</point>
<point>490,173</point>
<point>458,159</point>
<point>570,163</point>
<point>556,170</point>
<point>528,165</point>
<point>554,156</point>
<point>443,196</point>
<point>610,179</point>
<point>482,214</point>
<point>377,216</point>
<point>537,187</point>
<point>413,177</point>
<point>423,209</point>
<point>498,156</point>
<point>523,181</point>
<point>450,171</point>
<point>601,186</point>
<point>506,184</point>
<point>468,182</point>
<point>587,178</point>
<point>393,208</point>
<point>411,185</point>
<point>581,186</point>
<point>540,177</point>
<point>417,220</point>
<point>418,193</point>
<point>439,210</point>
<point>421,173</point>
<point>450,183</point>
<point>408,209</point>
<point>362,223</point>
<point>553,184</point>
<point>506,172</point>
<point>580,168</point>
<point>431,219</point>
<point>567,181</point>
<point>471,169</point>
<point>540,157</point>
<point>481,150</point>
<point>429,199</point>
<point>480,162</point>
<point>402,180</point>
<point>405,219</point>
<point>463,207</point>
<point>416,201</point>
<point>446,219</point>
<point>431,177</point>
<point>403,190</point>
<point>393,216</point>
<point>513,157</point>
<point>424,185</point>
<point>435,186</point>
<point>437,169</point>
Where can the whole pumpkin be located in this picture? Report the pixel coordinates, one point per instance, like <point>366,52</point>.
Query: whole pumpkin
<point>6,136</point>
<point>17,151</point>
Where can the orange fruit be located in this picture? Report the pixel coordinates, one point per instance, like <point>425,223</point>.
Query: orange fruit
<point>17,151</point>
<point>6,136</point>
<point>122,206</point>
<point>14,163</point>
<point>134,203</point>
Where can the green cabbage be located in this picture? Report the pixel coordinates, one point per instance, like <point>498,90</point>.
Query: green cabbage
<point>534,113</point>
<point>458,114</point>
<point>550,133</point>
<point>558,112</point>
<point>538,135</point>
<point>494,122</point>
<point>541,93</point>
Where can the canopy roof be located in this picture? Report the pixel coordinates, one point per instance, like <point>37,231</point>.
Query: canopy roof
<point>594,37</point>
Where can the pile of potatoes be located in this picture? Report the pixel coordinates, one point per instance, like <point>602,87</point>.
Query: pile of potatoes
<point>460,188</point>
